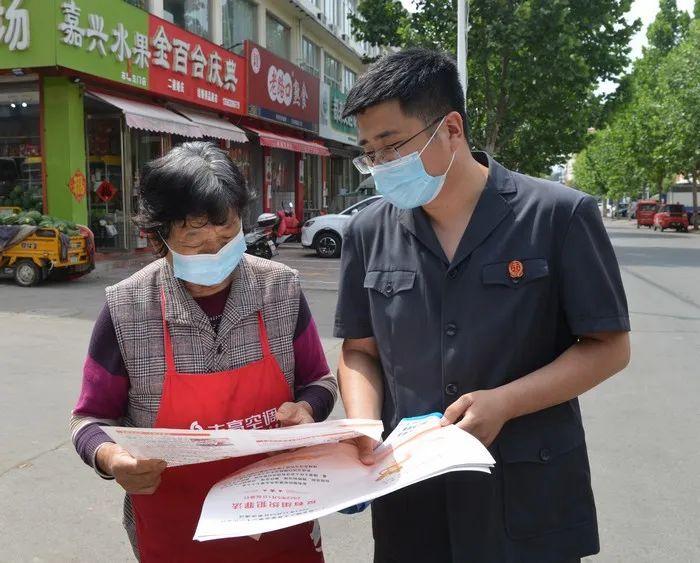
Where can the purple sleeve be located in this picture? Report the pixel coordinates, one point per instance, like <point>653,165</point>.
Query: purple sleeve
<point>104,392</point>
<point>313,381</point>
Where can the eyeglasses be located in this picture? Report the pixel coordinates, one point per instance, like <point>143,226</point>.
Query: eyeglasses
<point>365,162</point>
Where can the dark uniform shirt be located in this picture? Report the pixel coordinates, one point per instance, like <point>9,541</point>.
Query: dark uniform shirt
<point>534,270</point>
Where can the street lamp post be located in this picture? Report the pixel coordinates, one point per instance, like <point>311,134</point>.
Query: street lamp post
<point>462,42</point>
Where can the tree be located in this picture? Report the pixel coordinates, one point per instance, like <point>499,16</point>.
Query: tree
<point>534,66</point>
<point>680,105</point>
<point>669,27</point>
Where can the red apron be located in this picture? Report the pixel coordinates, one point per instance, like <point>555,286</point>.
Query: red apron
<point>166,521</point>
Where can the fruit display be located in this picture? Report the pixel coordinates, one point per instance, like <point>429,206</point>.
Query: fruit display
<point>36,219</point>
<point>26,198</point>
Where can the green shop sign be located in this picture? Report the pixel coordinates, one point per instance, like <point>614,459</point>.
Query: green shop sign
<point>105,39</point>
<point>332,125</point>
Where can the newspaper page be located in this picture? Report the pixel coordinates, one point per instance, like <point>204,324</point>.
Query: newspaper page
<point>184,447</point>
<point>295,487</point>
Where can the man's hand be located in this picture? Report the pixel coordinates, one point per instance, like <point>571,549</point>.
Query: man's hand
<point>482,413</point>
<point>365,448</point>
<point>291,414</point>
<point>136,476</point>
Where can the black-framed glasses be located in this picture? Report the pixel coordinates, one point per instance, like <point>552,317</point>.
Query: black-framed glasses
<point>365,162</point>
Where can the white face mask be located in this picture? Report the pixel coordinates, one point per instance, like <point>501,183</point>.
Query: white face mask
<point>404,181</point>
<point>209,269</point>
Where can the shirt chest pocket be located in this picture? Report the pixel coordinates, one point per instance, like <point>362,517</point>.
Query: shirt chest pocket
<point>390,284</point>
<point>515,274</point>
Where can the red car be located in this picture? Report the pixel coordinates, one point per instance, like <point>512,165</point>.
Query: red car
<point>646,209</point>
<point>671,216</point>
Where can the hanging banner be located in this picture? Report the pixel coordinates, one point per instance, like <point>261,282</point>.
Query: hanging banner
<point>281,91</point>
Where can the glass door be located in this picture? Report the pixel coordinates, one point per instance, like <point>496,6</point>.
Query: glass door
<point>106,212</point>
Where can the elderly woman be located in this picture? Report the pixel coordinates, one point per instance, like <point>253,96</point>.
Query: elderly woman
<point>206,337</point>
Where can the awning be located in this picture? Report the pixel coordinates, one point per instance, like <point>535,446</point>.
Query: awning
<point>152,118</point>
<point>277,141</point>
<point>213,126</point>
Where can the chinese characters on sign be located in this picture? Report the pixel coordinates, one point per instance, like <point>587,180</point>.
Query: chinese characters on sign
<point>281,91</point>
<point>333,125</point>
<point>190,68</point>
<point>155,54</point>
<point>14,25</point>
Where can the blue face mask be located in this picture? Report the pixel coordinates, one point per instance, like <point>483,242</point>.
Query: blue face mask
<point>209,269</point>
<point>404,181</point>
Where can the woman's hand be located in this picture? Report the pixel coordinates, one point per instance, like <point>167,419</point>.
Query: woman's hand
<point>136,476</point>
<point>291,414</point>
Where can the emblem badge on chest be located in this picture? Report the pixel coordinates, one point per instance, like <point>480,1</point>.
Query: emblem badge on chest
<point>516,270</point>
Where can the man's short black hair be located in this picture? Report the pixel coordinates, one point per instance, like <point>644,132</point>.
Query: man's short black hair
<point>425,83</point>
<point>195,179</point>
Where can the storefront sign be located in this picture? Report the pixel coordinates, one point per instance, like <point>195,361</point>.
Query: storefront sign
<point>280,91</point>
<point>23,41</point>
<point>332,124</point>
<point>119,42</point>
<point>191,69</point>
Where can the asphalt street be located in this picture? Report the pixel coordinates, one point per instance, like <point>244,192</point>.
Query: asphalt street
<point>641,425</point>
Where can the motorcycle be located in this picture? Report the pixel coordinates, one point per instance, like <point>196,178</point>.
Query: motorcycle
<point>289,229</point>
<point>261,240</point>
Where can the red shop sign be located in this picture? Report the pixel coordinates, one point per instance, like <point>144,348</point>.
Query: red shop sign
<point>189,68</point>
<point>281,91</point>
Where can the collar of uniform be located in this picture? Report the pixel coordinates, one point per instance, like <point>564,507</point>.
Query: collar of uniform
<point>181,308</point>
<point>490,210</point>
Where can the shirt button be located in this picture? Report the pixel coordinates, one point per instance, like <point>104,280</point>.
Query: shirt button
<point>451,389</point>
<point>452,274</point>
<point>451,329</point>
<point>545,454</point>
<point>388,288</point>
<point>220,349</point>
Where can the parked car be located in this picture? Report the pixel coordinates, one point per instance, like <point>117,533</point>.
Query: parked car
<point>325,233</point>
<point>620,210</point>
<point>671,217</point>
<point>646,209</point>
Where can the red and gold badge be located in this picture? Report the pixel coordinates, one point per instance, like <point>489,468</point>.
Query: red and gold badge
<point>516,269</point>
<point>78,185</point>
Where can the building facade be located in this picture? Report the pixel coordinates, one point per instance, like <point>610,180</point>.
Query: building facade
<point>91,90</point>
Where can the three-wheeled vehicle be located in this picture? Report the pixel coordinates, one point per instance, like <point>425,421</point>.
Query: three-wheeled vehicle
<point>646,209</point>
<point>31,254</point>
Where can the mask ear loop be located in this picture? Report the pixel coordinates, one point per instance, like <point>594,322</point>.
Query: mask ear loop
<point>432,136</point>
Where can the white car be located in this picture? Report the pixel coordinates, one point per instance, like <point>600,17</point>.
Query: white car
<point>325,233</point>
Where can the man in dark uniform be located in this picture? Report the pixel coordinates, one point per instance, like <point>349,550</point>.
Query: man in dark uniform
<point>485,294</point>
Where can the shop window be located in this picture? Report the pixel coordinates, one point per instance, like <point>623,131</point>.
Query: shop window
<point>192,15</point>
<point>278,37</point>
<point>20,147</point>
<point>240,22</point>
<point>282,178</point>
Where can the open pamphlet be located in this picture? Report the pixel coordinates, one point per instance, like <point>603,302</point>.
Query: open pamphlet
<point>298,486</point>
<point>185,447</point>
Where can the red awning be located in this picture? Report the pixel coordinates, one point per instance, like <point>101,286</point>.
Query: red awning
<point>277,141</point>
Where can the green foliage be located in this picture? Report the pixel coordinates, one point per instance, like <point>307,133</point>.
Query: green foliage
<point>534,66</point>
